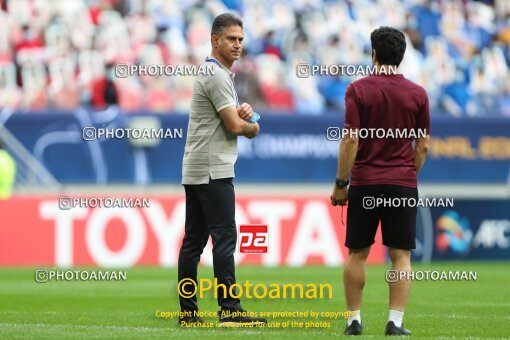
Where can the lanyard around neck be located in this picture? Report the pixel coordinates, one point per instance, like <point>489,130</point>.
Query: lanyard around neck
<point>212,60</point>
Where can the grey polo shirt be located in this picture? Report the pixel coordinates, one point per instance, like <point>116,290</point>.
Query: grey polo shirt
<point>211,150</point>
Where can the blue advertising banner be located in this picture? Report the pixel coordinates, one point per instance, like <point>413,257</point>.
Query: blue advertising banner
<point>471,229</point>
<point>60,143</point>
<point>289,148</point>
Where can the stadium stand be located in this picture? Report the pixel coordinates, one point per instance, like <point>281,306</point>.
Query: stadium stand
<point>59,54</point>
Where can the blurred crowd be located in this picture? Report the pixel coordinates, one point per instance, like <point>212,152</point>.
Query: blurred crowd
<point>60,54</point>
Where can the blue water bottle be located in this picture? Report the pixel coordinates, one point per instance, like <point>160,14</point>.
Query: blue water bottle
<point>254,118</point>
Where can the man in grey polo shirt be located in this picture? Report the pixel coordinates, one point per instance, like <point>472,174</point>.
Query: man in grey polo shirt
<point>216,120</point>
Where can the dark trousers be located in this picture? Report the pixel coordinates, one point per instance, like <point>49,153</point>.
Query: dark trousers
<point>210,210</point>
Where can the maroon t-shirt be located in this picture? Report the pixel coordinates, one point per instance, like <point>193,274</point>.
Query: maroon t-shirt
<point>386,102</point>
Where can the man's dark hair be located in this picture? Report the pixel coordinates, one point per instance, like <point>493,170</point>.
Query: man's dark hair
<point>389,45</point>
<point>223,21</point>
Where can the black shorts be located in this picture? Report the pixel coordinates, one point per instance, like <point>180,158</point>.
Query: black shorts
<point>398,224</point>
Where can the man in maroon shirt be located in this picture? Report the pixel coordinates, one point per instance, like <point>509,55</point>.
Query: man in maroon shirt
<point>384,169</point>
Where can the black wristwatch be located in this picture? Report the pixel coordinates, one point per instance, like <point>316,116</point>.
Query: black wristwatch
<point>340,183</point>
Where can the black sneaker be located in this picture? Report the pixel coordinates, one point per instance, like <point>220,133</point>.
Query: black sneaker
<point>354,328</point>
<point>391,329</point>
<point>239,318</point>
<point>190,319</point>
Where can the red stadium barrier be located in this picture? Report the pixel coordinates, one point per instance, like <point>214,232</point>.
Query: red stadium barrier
<point>35,231</point>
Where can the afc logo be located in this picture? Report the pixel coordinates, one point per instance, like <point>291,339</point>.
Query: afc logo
<point>253,238</point>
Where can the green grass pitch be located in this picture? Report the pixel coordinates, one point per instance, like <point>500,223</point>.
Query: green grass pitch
<point>126,309</point>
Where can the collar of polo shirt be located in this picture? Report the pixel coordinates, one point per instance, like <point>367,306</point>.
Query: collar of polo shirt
<point>217,62</point>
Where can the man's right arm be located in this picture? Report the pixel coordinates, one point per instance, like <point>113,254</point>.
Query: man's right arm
<point>422,144</point>
<point>220,93</point>
<point>420,152</point>
<point>236,125</point>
